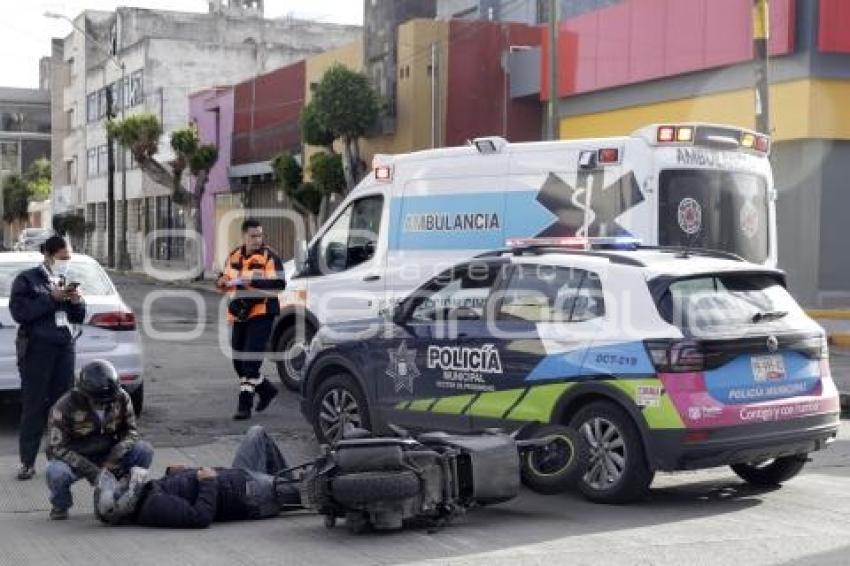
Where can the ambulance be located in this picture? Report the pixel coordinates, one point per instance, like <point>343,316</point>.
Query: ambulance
<point>689,185</point>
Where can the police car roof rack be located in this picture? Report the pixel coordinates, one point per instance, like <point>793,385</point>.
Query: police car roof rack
<point>687,251</point>
<point>610,255</point>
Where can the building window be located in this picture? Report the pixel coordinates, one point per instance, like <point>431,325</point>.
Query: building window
<point>91,107</point>
<point>91,162</point>
<point>102,160</point>
<point>71,171</point>
<point>9,157</point>
<point>136,94</point>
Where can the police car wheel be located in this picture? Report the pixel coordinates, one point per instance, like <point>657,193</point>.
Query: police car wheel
<point>292,353</point>
<point>555,467</point>
<point>337,400</point>
<point>770,472</point>
<point>616,470</point>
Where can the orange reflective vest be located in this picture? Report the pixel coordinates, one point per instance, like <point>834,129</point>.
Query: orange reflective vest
<point>261,270</point>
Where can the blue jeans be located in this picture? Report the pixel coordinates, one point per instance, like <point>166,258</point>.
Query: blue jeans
<point>259,456</point>
<point>60,476</point>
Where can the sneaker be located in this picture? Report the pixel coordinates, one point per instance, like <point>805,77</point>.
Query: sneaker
<point>26,472</point>
<point>266,392</point>
<point>57,514</point>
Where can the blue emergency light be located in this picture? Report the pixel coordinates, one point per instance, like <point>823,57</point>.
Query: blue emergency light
<point>578,242</point>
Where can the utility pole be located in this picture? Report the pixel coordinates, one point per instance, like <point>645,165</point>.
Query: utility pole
<point>552,108</point>
<point>123,254</point>
<point>110,184</point>
<point>435,96</point>
<point>761,33</point>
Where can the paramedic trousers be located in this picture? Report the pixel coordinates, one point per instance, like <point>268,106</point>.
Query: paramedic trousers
<point>248,340</point>
<point>47,373</point>
<point>259,456</point>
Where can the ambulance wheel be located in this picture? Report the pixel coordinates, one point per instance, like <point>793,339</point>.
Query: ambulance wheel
<point>770,472</point>
<point>338,399</point>
<point>291,355</point>
<point>616,470</point>
<point>555,467</point>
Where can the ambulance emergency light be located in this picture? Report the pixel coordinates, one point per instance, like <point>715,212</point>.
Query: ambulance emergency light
<point>707,135</point>
<point>383,171</point>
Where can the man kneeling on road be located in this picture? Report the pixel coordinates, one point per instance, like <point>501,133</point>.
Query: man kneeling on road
<point>254,487</point>
<point>91,428</point>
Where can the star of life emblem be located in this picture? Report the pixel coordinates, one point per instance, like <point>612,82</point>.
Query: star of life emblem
<point>690,216</point>
<point>402,368</point>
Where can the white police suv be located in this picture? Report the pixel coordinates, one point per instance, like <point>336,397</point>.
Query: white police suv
<point>661,358</point>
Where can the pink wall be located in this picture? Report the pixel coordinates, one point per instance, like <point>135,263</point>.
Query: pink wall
<point>212,111</point>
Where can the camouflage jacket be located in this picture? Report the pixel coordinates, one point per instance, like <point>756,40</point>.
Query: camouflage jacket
<point>78,437</point>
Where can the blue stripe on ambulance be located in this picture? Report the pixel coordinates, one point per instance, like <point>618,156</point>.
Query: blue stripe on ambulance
<point>491,225</point>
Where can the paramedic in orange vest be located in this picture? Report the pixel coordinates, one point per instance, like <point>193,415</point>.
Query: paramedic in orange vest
<point>253,276</point>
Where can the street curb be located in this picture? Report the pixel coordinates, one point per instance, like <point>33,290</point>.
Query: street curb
<point>829,314</point>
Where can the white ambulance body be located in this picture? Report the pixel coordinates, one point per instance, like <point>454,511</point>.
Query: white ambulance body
<point>694,185</point>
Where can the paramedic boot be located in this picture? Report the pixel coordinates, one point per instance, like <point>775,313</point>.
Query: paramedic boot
<point>243,409</point>
<point>266,392</point>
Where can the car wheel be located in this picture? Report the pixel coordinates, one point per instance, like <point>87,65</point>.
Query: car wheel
<point>338,400</point>
<point>293,354</point>
<point>138,399</point>
<point>770,472</point>
<point>616,470</point>
<point>555,467</point>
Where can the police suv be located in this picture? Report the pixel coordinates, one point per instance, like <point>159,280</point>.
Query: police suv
<point>662,359</point>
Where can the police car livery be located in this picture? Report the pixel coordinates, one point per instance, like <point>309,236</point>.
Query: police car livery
<point>661,358</point>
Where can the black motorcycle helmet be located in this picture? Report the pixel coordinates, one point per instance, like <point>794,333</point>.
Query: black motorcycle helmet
<point>99,380</point>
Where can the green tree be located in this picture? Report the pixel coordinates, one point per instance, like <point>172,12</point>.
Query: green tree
<point>345,107</point>
<point>140,134</point>
<point>289,175</point>
<point>16,198</point>
<point>37,178</point>
<point>313,131</point>
<point>327,173</point>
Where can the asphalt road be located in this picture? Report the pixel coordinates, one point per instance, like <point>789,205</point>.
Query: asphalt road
<point>707,517</point>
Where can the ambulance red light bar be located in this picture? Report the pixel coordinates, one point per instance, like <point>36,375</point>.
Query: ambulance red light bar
<point>609,155</point>
<point>675,134</point>
<point>577,242</point>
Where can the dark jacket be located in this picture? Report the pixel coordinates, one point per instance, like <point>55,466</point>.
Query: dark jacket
<point>180,500</point>
<point>34,308</point>
<point>78,437</point>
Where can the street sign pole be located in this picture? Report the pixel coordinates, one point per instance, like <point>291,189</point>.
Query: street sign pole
<point>761,32</point>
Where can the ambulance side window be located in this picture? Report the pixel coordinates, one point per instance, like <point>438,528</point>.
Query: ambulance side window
<point>352,238</point>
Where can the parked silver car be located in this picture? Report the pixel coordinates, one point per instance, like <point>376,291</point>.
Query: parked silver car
<point>30,239</point>
<point>109,331</point>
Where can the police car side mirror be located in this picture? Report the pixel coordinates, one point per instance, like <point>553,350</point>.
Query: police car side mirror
<point>302,256</point>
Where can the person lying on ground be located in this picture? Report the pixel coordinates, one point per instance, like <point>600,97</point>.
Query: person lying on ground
<point>254,487</point>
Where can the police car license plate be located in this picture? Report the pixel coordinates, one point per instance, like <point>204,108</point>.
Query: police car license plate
<point>768,368</point>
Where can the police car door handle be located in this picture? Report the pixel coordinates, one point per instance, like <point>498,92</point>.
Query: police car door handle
<point>372,278</point>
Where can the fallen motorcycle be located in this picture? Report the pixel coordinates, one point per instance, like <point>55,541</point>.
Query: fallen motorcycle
<point>382,483</point>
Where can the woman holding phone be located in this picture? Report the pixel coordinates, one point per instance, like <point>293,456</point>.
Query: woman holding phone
<point>46,306</point>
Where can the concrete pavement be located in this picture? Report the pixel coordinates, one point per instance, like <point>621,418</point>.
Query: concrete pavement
<point>706,517</point>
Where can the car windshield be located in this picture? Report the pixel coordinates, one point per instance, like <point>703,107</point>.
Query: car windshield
<point>722,304</point>
<point>718,210</point>
<point>91,277</point>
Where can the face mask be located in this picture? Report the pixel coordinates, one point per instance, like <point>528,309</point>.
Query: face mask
<point>60,266</point>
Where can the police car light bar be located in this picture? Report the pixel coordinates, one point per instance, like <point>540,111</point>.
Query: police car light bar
<point>577,242</point>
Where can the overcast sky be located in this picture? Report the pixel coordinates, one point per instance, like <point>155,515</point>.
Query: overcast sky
<point>25,33</point>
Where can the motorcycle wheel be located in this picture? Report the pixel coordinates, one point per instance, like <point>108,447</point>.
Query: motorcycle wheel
<point>557,466</point>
